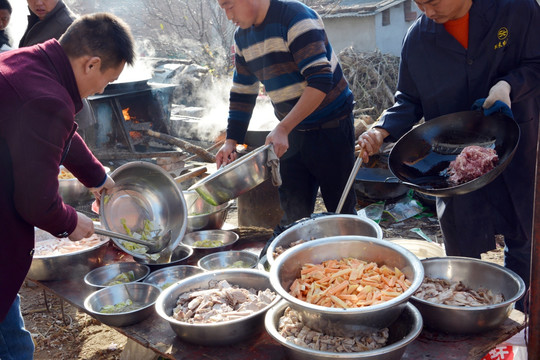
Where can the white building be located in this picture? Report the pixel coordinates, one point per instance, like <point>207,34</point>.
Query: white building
<point>368,25</point>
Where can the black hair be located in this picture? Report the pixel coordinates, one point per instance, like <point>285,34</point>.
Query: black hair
<point>102,34</point>
<point>5,5</point>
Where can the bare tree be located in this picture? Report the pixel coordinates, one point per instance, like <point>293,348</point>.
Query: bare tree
<point>195,29</point>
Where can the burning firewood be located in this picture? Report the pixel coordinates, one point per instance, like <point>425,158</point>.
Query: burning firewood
<point>194,149</point>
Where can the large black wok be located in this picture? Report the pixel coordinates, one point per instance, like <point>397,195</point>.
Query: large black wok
<point>420,158</point>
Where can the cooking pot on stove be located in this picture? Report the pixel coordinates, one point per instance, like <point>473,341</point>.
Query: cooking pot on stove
<point>421,156</point>
<point>126,86</point>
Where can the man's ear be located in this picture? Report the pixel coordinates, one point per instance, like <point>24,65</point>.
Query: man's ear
<point>93,63</point>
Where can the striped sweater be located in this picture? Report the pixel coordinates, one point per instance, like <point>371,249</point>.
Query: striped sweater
<point>286,53</point>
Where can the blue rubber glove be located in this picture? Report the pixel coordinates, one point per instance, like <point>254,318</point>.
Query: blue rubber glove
<point>498,106</point>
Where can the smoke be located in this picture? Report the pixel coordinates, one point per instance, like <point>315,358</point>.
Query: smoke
<point>214,120</point>
<point>138,71</point>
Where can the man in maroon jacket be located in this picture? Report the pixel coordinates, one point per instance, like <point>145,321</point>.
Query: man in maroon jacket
<point>42,87</point>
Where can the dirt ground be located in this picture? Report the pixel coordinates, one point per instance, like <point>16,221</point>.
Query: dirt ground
<point>72,334</point>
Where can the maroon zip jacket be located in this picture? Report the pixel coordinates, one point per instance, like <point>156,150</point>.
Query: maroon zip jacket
<point>38,101</point>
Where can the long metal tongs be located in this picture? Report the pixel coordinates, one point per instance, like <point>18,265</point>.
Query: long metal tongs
<point>350,181</point>
<point>159,243</point>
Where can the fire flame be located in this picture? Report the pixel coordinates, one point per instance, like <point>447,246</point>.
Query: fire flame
<point>135,135</point>
<point>127,117</point>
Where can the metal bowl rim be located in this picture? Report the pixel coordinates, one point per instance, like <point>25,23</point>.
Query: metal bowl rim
<point>168,269</point>
<point>229,167</point>
<point>410,337</point>
<point>417,268</point>
<point>166,293</point>
<point>224,208</point>
<point>219,231</point>
<point>95,293</point>
<point>145,261</point>
<point>314,221</point>
<point>78,252</point>
<point>516,277</point>
<point>144,266</point>
<point>223,253</point>
<point>153,167</point>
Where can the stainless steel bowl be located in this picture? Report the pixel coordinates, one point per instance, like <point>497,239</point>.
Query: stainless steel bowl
<point>202,215</point>
<point>402,332</point>
<point>72,191</point>
<point>222,333</point>
<point>144,191</point>
<point>64,266</point>
<point>475,274</point>
<point>235,178</point>
<point>227,238</point>
<point>324,226</point>
<point>180,256</point>
<point>346,322</point>
<point>228,260</point>
<point>142,294</point>
<point>102,275</point>
<point>163,278</point>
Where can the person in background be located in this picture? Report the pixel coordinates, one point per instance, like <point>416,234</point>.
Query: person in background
<point>5,16</point>
<point>42,88</point>
<point>457,52</point>
<point>283,45</point>
<point>48,19</point>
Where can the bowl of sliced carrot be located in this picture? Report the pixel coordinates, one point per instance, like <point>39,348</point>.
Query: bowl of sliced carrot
<point>347,285</point>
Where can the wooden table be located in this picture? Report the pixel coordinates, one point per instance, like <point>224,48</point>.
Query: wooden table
<point>156,334</point>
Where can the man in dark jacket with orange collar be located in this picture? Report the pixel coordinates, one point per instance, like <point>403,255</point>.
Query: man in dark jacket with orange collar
<point>42,88</point>
<point>458,52</point>
<point>48,19</point>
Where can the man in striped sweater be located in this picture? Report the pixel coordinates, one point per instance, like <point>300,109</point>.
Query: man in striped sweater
<point>283,45</point>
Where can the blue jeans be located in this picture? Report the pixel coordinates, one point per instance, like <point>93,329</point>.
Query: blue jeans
<point>15,341</point>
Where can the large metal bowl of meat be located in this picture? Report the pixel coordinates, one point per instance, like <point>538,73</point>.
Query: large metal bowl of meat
<point>202,215</point>
<point>234,179</point>
<point>303,344</point>
<point>59,259</point>
<point>346,285</point>
<point>235,317</point>
<point>320,227</point>
<point>465,295</point>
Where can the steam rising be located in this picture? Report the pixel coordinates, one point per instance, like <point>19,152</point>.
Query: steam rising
<point>216,111</point>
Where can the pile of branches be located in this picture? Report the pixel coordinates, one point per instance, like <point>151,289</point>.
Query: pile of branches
<point>372,77</point>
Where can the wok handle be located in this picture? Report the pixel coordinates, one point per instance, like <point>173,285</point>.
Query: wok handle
<point>350,181</point>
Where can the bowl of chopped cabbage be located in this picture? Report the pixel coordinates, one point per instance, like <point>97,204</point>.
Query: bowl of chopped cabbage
<point>117,273</point>
<point>205,242</point>
<point>144,203</point>
<point>228,260</point>
<point>123,304</point>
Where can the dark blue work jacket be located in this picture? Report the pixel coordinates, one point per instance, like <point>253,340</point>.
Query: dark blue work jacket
<point>438,76</point>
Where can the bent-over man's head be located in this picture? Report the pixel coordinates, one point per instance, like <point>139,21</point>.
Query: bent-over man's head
<point>98,46</point>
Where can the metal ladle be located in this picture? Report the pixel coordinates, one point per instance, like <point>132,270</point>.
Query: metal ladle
<point>348,185</point>
<point>154,246</point>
